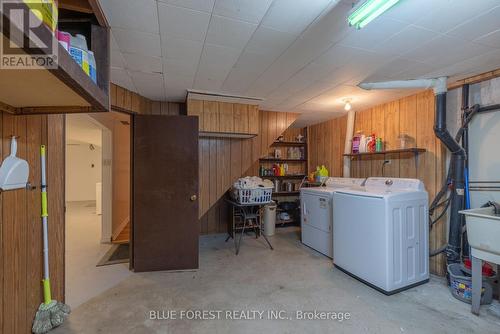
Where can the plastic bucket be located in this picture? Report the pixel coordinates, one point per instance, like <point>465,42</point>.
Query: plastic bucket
<point>270,219</point>
<point>461,285</point>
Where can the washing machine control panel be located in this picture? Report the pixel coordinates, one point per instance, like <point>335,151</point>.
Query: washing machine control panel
<point>394,183</point>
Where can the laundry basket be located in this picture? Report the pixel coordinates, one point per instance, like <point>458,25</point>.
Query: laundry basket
<point>260,195</point>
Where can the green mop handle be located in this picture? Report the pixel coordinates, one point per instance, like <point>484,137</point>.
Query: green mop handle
<point>46,281</point>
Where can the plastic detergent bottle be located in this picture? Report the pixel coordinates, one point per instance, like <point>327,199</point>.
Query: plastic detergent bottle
<point>317,174</point>
<point>324,171</point>
<point>92,67</point>
<point>79,51</point>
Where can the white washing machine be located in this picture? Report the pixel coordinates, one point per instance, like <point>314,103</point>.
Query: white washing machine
<point>381,233</point>
<point>316,217</point>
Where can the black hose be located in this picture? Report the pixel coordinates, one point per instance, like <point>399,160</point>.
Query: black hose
<point>438,251</point>
<point>440,215</point>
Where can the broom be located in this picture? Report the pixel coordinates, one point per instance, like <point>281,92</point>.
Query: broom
<point>51,313</point>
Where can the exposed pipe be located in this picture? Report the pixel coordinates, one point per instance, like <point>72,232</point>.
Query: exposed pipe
<point>348,142</point>
<point>457,164</point>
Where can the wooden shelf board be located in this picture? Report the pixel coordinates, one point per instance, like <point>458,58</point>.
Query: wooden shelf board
<point>285,177</point>
<point>288,143</point>
<point>64,86</point>
<point>282,160</point>
<point>206,134</point>
<point>414,150</point>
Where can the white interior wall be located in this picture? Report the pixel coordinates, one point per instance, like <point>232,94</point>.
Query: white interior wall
<point>83,171</point>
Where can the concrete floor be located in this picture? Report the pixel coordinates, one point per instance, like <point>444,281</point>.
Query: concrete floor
<point>292,277</point>
<point>83,251</point>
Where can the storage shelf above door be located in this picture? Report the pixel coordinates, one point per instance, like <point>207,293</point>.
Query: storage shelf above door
<point>65,88</point>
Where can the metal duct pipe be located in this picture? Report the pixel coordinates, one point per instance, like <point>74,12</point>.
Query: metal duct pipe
<point>348,142</point>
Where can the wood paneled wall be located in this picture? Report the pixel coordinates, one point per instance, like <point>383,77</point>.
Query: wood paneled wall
<point>325,142</point>
<point>126,101</point>
<point>223,160</point>
<point>21,259</point>
<point>225,117</point>
<point>413,116</point>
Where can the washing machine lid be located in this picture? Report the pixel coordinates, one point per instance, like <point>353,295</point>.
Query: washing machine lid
<point>343,182</point>
<point>379,187</point>
<point>332,184</point>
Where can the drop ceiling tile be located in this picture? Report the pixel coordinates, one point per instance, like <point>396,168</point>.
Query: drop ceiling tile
<point>183,49</point>
<point>239,80</point>
<point>178,82</point>
<point>293,16</point>
<point>337,56</point>
<point>120,77</point>
<point>215,64</point>
<point>478,26</point>
<point>217,57</point>
<point>117,59</point>
<point>269,41</point>
<point>444,50</point>
<point>179,67</point>
<point>140,15</point>
<point>376,32</point>
<point>492,39</point>
<point>133,41</point>
<point>182,22</point>
<point>256,62</point>
<point>211,84</point>
<point>114,45</point>
<point>228,32</point>
<point>136,62</point>
<point>410,11</point>
<point>201,5</point>
<point>332,26</point>
<point>407,39</point>
<point>149,85</point>
<point>249,11</point>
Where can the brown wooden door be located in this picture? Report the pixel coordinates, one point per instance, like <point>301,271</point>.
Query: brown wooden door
<point>165,226</point>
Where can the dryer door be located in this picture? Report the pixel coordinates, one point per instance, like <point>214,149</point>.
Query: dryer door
<point>317,212</point>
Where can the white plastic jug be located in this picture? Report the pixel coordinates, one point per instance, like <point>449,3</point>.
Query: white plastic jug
<point>79,51</point>
<point>92,67</point>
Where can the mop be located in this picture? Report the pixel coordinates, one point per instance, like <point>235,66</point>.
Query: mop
<point>51,313</point>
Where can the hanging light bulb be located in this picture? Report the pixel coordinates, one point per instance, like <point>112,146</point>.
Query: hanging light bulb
<point>347,105</point>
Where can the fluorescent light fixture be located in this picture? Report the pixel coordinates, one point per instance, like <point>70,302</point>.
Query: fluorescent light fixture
<point>368,11</point>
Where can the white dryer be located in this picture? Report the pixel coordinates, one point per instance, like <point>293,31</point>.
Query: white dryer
<point>316,216</point>
<point>381,233</point>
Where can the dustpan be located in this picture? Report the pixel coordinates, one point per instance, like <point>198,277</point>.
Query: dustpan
<point>14,171</point>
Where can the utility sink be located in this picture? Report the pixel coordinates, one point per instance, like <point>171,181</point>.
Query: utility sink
<point>483,232</point>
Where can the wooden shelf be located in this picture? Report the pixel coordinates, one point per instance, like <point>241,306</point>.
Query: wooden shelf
<point>63,89</point>
<point>285,177</point>
<point>289,143</point>
<point>281,160</point>
<point>414,150</point>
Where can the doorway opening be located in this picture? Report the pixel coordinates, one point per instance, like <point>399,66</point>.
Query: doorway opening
<point>97,203</point>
